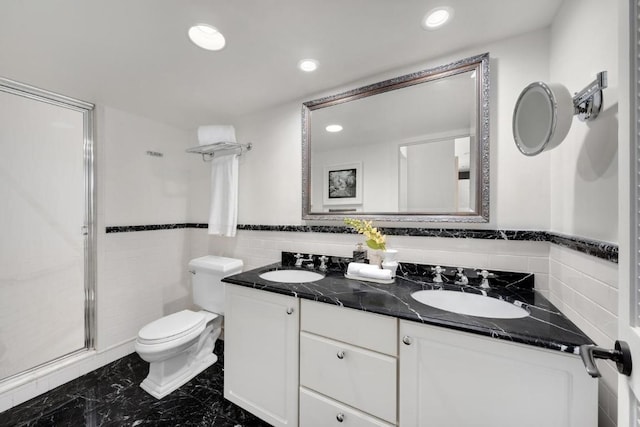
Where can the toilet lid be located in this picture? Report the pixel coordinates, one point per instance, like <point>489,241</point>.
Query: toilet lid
<point>171,327</point>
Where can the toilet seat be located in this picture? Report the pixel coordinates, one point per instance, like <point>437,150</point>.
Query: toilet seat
<point>172,327</point>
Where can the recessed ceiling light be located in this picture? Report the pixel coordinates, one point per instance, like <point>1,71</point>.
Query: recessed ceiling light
<point>437,17</point>
<point>333,128</point>
<point>308,65</point>
<point>206,37</point>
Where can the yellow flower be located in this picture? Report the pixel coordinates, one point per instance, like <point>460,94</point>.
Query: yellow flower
<point>375,239</point>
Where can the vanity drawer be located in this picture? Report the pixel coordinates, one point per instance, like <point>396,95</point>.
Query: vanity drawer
<point>319,411</point>
<point>368,330</point>
<point>360,378</point>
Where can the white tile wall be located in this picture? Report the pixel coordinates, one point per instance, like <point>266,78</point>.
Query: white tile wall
<point>586,290</point>
<point>142,277</point>
<point>257,248</point>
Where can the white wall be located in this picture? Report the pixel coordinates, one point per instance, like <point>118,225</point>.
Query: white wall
<point>584,182</point>
<point>270,175</point>
<point>584,170</point>
<point>138,188</point>
<point>141,275</point>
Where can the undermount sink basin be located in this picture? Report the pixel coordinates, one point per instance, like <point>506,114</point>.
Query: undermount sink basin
<point>470,304</point>
<point>291,276</point>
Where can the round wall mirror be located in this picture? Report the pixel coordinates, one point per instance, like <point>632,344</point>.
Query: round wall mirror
<point>542,117</point>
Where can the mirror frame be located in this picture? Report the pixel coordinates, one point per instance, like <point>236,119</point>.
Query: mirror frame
<point>479,63</point>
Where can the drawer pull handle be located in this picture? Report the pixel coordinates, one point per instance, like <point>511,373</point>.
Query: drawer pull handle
<point>340,355</point>
<point>290,310</point>
<point>406,339</point>
<point>340,417</point>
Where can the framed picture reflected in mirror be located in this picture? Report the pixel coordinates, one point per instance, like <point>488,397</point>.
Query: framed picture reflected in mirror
<point>343,184</point>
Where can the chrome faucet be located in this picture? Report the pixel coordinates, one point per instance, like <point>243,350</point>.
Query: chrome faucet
<point>300,261</point>
<point>437,277</point>
<point>485,281</point>
<point>323,266</point>
<point>462,279</point>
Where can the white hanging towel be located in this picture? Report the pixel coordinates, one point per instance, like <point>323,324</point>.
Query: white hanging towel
<point>216,133</point>
<point>223,216</point>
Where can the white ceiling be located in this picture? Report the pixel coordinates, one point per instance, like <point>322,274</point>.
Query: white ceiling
<point>135,55</point>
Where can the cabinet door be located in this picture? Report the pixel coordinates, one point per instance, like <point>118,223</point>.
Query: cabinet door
<point>261,354</point>
<point>456,379</point>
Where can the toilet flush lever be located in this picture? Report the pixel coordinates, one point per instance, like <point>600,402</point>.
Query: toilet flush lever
<point>621,354</point>
<point>192,272</point>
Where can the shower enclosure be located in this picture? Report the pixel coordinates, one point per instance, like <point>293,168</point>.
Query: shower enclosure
<point>47,228</point>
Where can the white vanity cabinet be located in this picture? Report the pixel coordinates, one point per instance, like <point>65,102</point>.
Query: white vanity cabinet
<point>455,379</point>
<point>261,353</point>
<point>348,367</point>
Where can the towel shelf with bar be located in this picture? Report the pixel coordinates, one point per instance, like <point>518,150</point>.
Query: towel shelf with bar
<point>209,151</point>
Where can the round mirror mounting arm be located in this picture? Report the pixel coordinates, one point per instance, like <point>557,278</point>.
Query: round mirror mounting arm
<point>543,113</point>
<point>588,102</point>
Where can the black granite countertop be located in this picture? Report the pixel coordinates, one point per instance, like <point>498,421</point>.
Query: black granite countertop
<point>546,326</point>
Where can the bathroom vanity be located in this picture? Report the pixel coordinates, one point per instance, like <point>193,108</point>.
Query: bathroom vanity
<point>346,352</point>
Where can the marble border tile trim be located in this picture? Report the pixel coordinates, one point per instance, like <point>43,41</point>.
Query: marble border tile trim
<point>598,249</point>
<point>131,228</point>
<point>604,250</point>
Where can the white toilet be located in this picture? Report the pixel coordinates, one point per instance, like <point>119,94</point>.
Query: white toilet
<point>180,346</point>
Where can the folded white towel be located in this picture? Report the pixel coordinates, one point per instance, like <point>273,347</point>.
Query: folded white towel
<point>376,273</point>
<point>223,216</point>
<point>216,133</point>
<point>368,271</point>
<point>354,268</point>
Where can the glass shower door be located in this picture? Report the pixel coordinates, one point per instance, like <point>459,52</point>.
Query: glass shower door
<point>45,241</point>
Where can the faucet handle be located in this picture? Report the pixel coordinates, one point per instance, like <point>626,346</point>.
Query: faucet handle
<point>484,273</point>
<point>437,273</point>
<point>462,279</point>
<point>298,258</point>
<point>485,281</point>
<point>323,266</point>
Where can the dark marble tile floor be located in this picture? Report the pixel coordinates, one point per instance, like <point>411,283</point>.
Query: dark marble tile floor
<point>111,396</point>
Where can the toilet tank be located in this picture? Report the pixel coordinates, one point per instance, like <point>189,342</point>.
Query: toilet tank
<point>207,273</point>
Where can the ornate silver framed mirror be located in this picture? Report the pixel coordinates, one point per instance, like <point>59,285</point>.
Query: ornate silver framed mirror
<point>411,148</point>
